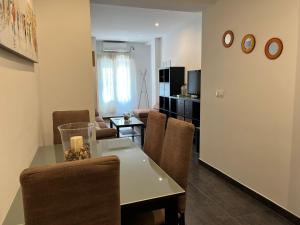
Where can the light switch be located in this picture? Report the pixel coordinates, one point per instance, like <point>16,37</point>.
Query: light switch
<point>220,93</point>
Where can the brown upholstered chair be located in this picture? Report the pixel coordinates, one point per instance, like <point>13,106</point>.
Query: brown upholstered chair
<point>63,117</point>
<point>154,135</point>
<point>175,159</point>
<point>104,132</point>
<point>80,192</point>
<point>142,114</point>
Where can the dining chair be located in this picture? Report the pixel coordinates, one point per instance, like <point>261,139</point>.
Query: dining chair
<point>154,135</point>
<point>175,160</point>
<point>64,117</point>
<point>79,192</point>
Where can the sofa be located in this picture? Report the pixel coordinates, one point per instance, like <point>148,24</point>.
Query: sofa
<point>103,131</point>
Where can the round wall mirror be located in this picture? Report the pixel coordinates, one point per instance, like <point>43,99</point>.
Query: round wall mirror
<point>273,48</point>
<point>248,43</point>
<point>228,39</point>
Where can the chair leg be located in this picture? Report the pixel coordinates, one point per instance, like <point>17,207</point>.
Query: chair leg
<point>181,219</point>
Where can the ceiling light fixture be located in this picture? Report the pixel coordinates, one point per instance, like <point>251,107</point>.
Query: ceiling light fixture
<point>157,24</point>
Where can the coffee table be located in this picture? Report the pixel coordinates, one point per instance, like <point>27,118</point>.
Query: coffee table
<point>120,122</point>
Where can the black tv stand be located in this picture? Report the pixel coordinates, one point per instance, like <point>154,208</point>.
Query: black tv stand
<point>185,108</point>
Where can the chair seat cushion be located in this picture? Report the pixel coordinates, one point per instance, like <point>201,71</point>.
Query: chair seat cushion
<point>156,217</point>
<point>139,219</point>
<point>141,113</point>
<point>102,125</point>
<point>106,133</point>
<point>159,217</point>
<point>99,119</point>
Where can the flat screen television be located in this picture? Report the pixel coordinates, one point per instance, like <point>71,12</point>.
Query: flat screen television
<point>194,82</point>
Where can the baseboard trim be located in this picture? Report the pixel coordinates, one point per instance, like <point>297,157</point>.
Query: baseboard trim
<point>290,216</point>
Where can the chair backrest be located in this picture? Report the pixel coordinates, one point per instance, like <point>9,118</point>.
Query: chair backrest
<point>64,117</point>
<point>154,135</point>
<point>177,152</point>
<point>80,192</point>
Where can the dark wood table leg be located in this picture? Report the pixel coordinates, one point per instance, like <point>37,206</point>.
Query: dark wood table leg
<point>198,140</point>
<point>118,132</point>
<point>142,135</point>
<point>171,212</point>
<point>132,137</point>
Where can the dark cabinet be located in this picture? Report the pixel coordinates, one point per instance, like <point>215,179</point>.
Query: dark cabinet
<point>183,108</point>
<point>180,107</point>
<point>188,109</point>
<point>170,81</point>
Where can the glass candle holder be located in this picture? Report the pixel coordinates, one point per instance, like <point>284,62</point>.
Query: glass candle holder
<point>126,116</point>
<point>76,140</point>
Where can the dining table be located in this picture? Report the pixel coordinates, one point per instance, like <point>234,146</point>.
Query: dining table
<point>144,186</point>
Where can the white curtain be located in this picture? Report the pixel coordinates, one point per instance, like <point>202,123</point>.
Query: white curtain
<point>116,84</point>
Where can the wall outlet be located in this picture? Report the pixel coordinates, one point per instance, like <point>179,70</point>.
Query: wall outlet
<point>220,93</point>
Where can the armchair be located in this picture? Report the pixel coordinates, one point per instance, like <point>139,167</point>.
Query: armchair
<point>103,131</point>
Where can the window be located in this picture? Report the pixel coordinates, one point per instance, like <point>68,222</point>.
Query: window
<point>116,84</point>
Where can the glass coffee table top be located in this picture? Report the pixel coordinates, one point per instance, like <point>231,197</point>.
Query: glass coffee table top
<point>120,122</point>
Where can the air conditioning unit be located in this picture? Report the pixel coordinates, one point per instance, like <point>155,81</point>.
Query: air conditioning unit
<point>121,47</point>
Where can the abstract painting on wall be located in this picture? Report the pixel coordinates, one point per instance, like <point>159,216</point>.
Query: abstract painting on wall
<point>18,28</point>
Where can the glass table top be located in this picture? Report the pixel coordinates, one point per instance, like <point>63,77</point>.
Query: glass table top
<point>140,178</point>
<point>119,121</point>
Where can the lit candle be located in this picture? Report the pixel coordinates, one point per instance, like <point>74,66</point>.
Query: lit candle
<point>76,143</point>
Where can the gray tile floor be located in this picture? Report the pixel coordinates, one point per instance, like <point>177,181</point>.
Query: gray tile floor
<point>211,200</point>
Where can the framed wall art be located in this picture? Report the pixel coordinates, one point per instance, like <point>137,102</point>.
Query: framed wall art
<point>273,48</point>
<point>18,28</point>
<point>228,39</point>
<point>248,43</point>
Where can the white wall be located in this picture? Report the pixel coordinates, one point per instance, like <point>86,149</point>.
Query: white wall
<point>61,81</point>
<point>155,65</point>
<point>294,193</point>
<point>247,134</point>
<point>142,59</point>
<point>183,46</point>
<point>95,71</point>
<point>65,53</point>
<point>19,133</point>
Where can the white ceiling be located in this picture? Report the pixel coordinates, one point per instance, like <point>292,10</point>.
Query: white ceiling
<point>121,23</point>
<point>178,5</point>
